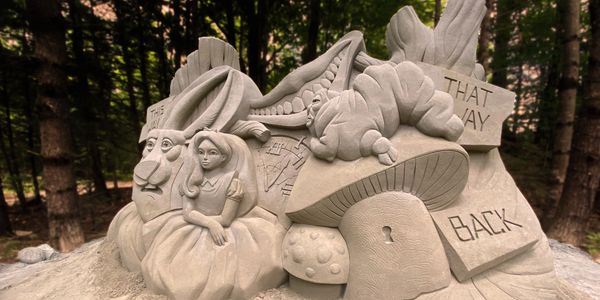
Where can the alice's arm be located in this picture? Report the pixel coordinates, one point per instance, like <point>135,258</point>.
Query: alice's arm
<point>228,214</point>
<point>235,194</point>
<point>193,216</point>
<point>197,218</point>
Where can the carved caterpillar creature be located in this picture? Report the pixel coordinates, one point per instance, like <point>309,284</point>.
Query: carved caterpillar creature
<point>356,123</point>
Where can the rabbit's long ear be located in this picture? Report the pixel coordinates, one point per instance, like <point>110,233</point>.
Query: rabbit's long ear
<point>194,86</point>
<point>192,173</point>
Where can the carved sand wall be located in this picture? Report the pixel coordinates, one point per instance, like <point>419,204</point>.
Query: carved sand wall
<point>353,178</point>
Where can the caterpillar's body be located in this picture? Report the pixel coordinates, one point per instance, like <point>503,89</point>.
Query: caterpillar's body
<point>357,122</point>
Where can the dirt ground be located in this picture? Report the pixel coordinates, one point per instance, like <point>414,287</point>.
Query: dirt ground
<point>31,225</point>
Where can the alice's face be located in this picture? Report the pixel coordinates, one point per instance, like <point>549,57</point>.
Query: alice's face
<point>210,156</point>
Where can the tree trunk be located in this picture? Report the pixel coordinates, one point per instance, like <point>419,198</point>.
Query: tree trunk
<point>123,41</point>
<point>143,55</point>
<point>309,52</point>
<point>175,33</point>
<point>230,26</point>
<point>567,96</point>
<point>86,102</point>
<point>9,154</point>
<point>547,100</point>
<point>5,227</point>
<point>504,28</point>
<point>516,112</point>
<point>31,144</point>
<point>256,22</point>
<point>32,159</point>
<point>45,20</point>
<point>164,75</point>
<point>486,35</point>
<point>583,177</point>
<point>188,21</point>
<point>437,13</point>
<point>28,107</point>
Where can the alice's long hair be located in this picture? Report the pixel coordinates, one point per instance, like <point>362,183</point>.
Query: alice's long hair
<point>238,158</point>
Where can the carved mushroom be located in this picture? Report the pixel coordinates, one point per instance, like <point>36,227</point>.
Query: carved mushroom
<point>382,213</point>
<point>317,260</point>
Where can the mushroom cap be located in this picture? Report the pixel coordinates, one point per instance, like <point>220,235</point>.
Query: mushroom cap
<point>432,169</point>
<point>316,254</point>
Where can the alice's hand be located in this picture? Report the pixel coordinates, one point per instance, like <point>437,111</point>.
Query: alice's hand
<point>217,233</point>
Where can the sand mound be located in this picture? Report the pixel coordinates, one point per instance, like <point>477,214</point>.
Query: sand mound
<point>94,272</point>
<point>90,272</point>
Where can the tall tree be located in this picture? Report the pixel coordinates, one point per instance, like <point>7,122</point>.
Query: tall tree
<point>567,95</point>
<point>583,176</point>
<point>5,226</point>
<point>504,28</point>
<point>33,164</point>
<point>122,11</point>
<point>256,23</point>
<point>437,14</point>
<point>176,32</point>
<point>310,50</point>
<point>47,25</point>
<point>86,102</point>
<point>28,107</point>
<point>486,35</point>
<point>142,52</point>
<point>9,154</point>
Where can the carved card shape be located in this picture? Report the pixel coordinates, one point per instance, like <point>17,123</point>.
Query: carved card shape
<point>489,223</point>
<point>481,106</point>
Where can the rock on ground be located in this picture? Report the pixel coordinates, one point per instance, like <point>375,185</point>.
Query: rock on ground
<point>577,268</point>
<point>93,272</point>
<point>90,272</point>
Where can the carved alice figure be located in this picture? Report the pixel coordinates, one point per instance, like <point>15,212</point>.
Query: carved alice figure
<point>218,240</point>
<point>213,191</point>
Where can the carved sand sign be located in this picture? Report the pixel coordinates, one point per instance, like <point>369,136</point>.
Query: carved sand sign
<point>487,224</point>
<point>482,107</point>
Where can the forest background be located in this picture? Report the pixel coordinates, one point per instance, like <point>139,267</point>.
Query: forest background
<point>77,76</point>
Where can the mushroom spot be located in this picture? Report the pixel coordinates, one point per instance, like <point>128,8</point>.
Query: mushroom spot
<point>294,239</point>
<point>335,269</point>
<point>314,252</point>
<point>298,254</point>
<point>323,255</point>
<point>310,272</point>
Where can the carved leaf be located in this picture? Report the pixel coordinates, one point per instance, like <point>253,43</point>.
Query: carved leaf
<point>456,35</point>
<point>407,38</point>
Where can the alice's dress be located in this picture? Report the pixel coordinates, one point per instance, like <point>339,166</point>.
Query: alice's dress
<point>182,261</point>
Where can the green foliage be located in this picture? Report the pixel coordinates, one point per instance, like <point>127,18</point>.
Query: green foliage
<point>592,243</point>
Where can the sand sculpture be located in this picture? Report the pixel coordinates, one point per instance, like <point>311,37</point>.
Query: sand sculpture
<point>353,178</point>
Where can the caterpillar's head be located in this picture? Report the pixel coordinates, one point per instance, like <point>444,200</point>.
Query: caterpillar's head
<point>320,98</point>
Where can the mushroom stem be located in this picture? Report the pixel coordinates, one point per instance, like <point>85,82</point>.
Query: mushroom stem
<point>395,251</point>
